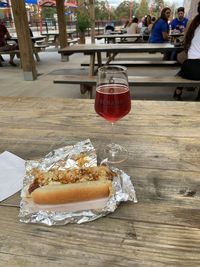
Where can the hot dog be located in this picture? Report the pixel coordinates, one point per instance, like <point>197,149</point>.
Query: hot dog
<point>65,186</point>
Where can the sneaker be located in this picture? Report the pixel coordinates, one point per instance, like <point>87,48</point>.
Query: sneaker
<point>177,96</point>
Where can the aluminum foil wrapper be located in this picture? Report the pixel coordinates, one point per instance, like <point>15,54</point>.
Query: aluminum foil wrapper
<point>64,158</point>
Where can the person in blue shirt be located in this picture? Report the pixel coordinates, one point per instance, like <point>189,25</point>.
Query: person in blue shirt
<point>160,29</point>
<point>179,24</point>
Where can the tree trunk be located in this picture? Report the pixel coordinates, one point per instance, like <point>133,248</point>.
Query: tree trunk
<point>82,38</point>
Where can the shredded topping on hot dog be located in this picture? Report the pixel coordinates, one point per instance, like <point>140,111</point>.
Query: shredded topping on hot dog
<point>69,176</point>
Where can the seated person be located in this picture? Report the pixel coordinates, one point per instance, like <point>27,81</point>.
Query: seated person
<point>190,68</point>
<point>144,30</point>
<point>132,28</point>
<point>109,28</point>
<point>150,26</point>
<point>179,24</point>
<point>31,35</point>
<point>160,29</point>
<point>124,29</point>
<point>4,35</point>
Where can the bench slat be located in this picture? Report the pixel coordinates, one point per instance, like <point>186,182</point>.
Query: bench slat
<point>75,40</point>
<point>9,52</point>
<point>139,62</point>
<point>165,81</point>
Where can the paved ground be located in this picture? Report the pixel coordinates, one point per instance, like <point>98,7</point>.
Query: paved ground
<point>12,83</point>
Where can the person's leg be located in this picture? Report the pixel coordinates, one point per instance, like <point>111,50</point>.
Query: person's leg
<point>190,69</point>
<point>11,60</point>
<point>1,58</point>
<point>178,91</point>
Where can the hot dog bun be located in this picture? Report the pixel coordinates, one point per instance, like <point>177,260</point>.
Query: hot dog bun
<point>73,192</point>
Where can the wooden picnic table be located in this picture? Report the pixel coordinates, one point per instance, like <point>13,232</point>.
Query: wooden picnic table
<point>176,36</point>
<point>55,36</point>
<point>162,229</point>
<point>33,38</point>
<point>113,50</point>
<point>123,37</point>
<point>36,47</point>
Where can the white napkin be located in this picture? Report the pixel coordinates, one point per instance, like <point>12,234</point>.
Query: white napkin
<point>12,170</point>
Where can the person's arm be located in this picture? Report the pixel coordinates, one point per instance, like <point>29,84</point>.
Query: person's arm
<point>165,31</point>
<point>165,36</point>
<point>150,27</point>
<point>6,33</point>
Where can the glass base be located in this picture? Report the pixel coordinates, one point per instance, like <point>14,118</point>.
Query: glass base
<point>113,153</point>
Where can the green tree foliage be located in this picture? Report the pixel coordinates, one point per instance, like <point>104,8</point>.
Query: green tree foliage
<point>158,6</point>
<point>143,9</point>
<point>48,12</point>
<point>101,10</point>
<point>123,10</point>
<point>135,9</point>
<point>83,22</point>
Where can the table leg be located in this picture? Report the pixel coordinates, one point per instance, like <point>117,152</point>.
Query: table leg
<point>92,65</point>
<point>37,56</point>
<point>56,41</point>
<point>99,59</point>
<point>88,88</point>
<point>46,40</point>
<point>110,58</point>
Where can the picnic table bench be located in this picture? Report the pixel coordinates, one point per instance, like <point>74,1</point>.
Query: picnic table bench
<point>129,63</point>
<point>36,49</point>
<point>52,38</point>
<point>73,41</point>
<point>121,36</point>
<point>147,81</point>
<point>96,50</point>
<point>38,46</point>
<point>10,52</point>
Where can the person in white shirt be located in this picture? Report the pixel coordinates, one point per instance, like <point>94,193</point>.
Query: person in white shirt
<point>132,28</point>
<point>190,68</point>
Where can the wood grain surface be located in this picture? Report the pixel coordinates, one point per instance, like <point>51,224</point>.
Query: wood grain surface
<point>162,229</point>
<point>119,48</point>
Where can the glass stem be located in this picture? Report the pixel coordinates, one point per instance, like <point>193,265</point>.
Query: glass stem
<point>113,148</point>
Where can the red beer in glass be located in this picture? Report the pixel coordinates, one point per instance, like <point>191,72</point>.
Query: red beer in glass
<point>112,101</point>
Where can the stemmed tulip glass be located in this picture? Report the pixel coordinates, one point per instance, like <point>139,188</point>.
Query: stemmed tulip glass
<point>112,102</point>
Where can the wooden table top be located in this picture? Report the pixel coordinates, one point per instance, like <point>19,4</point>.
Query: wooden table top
<point>119,48</point>
<point>34,38</point>
<point>57,32</point>
<point>162,229</point>
<point>176,34</point>
<point>118,35</point>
